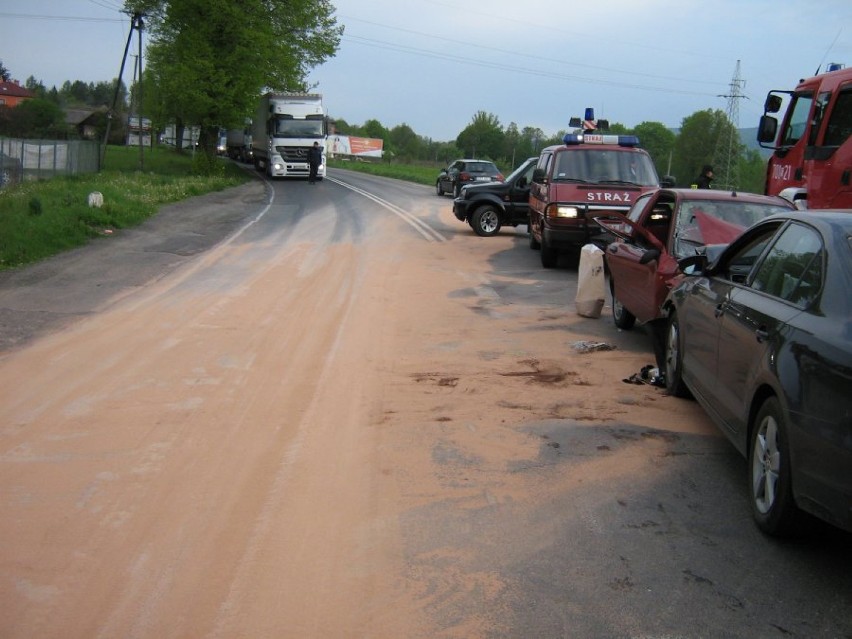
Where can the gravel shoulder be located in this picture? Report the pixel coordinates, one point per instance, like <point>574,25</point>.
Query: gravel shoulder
<point>47,296</point>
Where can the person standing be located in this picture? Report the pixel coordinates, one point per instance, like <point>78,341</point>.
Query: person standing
<point>703,181</point>
<point>314,161</point>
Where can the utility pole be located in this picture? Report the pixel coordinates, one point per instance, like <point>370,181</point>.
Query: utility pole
<point>135,23</point>
<point>726,158</point>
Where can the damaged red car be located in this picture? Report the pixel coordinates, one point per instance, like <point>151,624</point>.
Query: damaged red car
<point>667,225</point>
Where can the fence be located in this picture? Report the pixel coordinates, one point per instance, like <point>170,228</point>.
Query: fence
<point>41,159</point>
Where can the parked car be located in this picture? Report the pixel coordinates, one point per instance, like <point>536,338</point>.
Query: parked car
<point>488,206</point>
<point>762,338</point>
<point>461,172</point>
<point>664,226</point>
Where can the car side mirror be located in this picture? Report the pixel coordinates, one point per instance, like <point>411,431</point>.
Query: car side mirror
<point>692,264</point>
<point>649,256</point>
<point>539,176</point>
<point>668,181</point>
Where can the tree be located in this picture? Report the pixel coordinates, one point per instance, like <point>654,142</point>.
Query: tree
<point>483,137</point>
<point>35,118</point>
<point>658,140</point>
<point>5,74</point>
<point>696,143</point>
<point>211,59</point>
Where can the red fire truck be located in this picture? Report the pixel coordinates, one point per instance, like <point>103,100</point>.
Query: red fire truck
<point>812,160</point>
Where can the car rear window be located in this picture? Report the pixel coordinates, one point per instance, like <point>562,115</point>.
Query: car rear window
<point>482,167</point>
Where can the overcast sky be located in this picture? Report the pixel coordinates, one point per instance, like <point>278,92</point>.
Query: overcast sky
<point>433,64</point>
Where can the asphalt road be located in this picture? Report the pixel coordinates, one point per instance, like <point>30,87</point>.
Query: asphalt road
<point>332,410</point>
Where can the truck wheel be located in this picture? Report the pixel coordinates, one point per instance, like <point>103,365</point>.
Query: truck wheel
<point>549,255</point>
<point>486,221</point>
<point>623,318</point>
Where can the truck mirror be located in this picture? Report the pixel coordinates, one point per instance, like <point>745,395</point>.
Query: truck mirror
<point>772,104</point>
<point>767,129</point>
<point>539,176</point>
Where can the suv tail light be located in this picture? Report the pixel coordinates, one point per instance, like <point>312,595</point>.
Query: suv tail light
<point>465,177</point>
<point>499,177</point>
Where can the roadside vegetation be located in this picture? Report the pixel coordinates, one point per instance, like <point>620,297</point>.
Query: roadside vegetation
<point>42,218</point>
<point>419,173</point>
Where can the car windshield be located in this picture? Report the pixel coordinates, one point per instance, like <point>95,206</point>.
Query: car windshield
<point>605,167</point>
<point>701,222</point>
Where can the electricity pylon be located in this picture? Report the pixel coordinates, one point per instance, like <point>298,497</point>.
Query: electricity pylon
<point>726,158</point>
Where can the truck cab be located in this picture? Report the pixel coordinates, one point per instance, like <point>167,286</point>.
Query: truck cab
<point>812,160</point>
<point>586,177</point>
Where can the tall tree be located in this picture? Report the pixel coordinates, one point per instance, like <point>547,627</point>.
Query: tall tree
<point>483,137</point>
<point>5,74</point>
<point>696,143</point>
<point>211,59</point>
<point>658,140</point>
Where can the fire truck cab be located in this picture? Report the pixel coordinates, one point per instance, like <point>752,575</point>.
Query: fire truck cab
<point>588,176</point>
<point>812,160</point>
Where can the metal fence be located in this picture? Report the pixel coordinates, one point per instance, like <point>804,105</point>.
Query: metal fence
<point>41,159</point>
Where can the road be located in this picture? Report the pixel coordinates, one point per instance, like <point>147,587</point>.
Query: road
<point>331,410</point>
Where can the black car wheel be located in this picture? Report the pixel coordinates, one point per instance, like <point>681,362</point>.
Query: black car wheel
<point>486,221</point>
<point>623,318</point>
<point>772,502</point>
<point>439,190</point>
<point>457,189</point>
<point>674,359</point>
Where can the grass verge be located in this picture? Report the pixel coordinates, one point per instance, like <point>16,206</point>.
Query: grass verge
<point>39,219</point>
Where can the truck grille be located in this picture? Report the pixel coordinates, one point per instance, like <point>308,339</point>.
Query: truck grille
<point>293,153</point>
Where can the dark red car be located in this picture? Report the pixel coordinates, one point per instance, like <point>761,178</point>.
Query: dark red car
<point>664,226</point>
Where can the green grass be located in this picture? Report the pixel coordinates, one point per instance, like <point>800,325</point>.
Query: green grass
<point>409,172</point>
<point>42,218</point>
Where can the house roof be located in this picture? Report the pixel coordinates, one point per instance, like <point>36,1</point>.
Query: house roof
<point>15,90</point>
<point>76,117</point>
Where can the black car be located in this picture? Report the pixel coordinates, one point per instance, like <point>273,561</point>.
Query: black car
<point>461,172</point>
<point>490,205</point>
<point>762,338</point>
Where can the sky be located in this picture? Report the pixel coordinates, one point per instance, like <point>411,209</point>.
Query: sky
<point>434,64</point>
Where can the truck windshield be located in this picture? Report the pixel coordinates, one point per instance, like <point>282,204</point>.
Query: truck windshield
<point>290,128</point>
<point>605,167</point>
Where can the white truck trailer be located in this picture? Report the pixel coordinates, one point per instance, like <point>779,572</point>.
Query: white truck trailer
<point>285,127</point>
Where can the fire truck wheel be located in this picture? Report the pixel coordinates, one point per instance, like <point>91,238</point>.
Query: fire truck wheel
<point>549,255</point>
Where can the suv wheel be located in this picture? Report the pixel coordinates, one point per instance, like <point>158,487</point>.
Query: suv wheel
<point>439,190</point>
<point>486,220</point>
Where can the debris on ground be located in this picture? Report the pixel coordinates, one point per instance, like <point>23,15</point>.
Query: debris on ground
<point>650,375</point>
<point>588,347</point>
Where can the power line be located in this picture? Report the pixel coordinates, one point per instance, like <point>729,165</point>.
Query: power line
<point>29,16</point>
<point>523,70</point>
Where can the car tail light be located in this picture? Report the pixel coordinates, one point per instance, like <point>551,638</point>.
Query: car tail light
<point>499,178</point>
<point>465,177</point>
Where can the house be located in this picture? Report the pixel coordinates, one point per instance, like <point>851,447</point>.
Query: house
<point>12,94</point>
<point>84,121</point>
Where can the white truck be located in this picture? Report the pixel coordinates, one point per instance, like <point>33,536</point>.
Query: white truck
<point>285,127</point>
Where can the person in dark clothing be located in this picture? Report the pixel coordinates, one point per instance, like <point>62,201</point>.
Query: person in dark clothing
<point>314,161</point>
<point>703,181</point>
